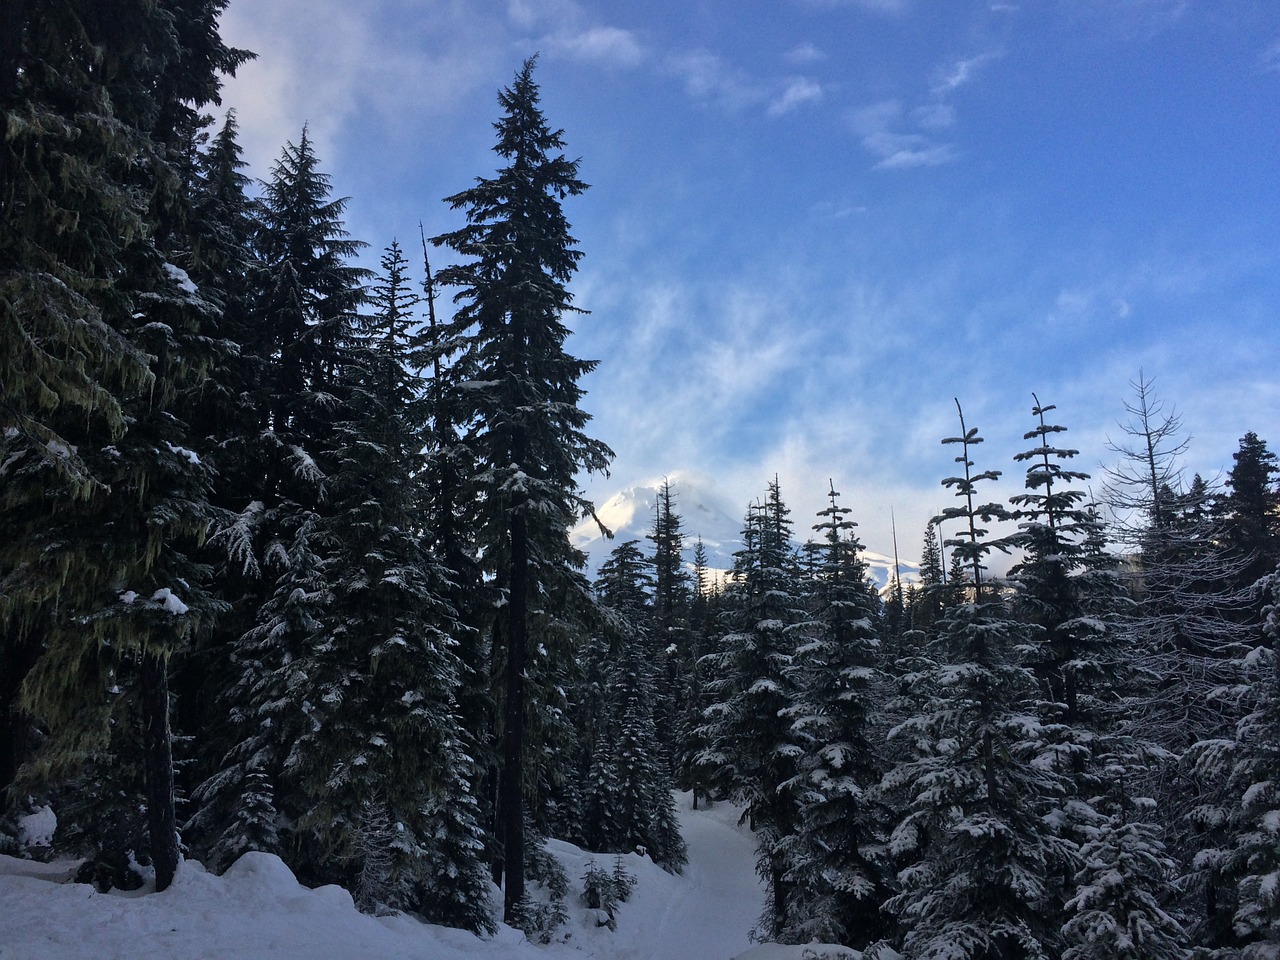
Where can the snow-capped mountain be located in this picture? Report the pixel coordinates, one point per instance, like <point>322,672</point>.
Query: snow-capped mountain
<point>704,511</point>
<point>629,514</point>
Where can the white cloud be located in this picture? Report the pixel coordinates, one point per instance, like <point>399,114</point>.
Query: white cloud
<point>804,54</point>
<point>799,91</point>
<point>607,46</point>
<point>874,6</point>
<point>876,117</point>
<point>326,64</point>
<point>896,149</point>
<point>1269,62</point>
<point>961,72</point>
<point>706,76</point>
<point>907,151</point>
<point>935,116</point>
<point>532,14</point>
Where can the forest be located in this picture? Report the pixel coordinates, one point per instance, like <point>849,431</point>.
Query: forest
<point>285,566</point>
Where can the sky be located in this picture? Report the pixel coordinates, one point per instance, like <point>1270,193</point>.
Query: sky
<point>814,225</point>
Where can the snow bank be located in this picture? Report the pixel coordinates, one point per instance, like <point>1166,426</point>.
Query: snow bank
<point>259,911</point>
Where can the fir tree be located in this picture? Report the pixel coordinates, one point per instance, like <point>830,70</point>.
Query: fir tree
<point>524,425</point>
<point>838,868</point>
<point>1252,509</point>
<point>977,850</point>
<point>751,744</point>
<point>105,339</point>
<point>669,634</point>
<point>1252,759</point>
<point>384,735</point>
<point>1189,636</point>
<point>285,540</point>
<point>628,803</point>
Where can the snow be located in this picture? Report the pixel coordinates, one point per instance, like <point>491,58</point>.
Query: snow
<point>180,277</point>
<point>36,828</point>
<point>189,455</point>
<point>259,910</point>
<point>171,603</point>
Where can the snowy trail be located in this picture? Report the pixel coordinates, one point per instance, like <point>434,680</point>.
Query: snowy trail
<point>708,912</point>
<point>258,911</point>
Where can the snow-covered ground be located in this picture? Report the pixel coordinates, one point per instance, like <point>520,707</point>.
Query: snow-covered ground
<point>258,910</point>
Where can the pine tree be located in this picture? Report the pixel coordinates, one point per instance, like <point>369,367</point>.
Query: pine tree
<point>670,632</point>
<point>105,339</point>
<point>286,541</point>
<point>1069,591</point>
<point>384,738</point>
<point>1252,758</point>
<point>1252,509</point>
<point>1189,637</point>
<point>629,802</point>
<point>693,773</point>
<point>978,852</point>
<point>751,744</point>
<point>524,425</point>
<point>838,870</point>
<point>449,542</point>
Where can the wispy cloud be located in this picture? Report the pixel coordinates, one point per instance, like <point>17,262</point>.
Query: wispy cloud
<point>328,63</point>
<point>1269,62</point>
<point>603,45</point>
<point>804,54</point>
<point>873,6</point>
<point>707,77</point>
<point>881,129</point>
<point>960,72</point>
<point>798,91</point>
<point>935,116</point>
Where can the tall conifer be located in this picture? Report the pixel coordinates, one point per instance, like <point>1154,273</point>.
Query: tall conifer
<point>522,422</point>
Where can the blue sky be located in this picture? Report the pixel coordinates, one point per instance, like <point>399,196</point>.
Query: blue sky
<point>813,223</point>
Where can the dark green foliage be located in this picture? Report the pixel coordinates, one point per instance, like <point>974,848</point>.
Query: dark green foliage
<point>1251,511</point>
<point>603,890</point>
<point>626,789</point>
<point>669,631</point>
<point>104,341</point>
<point>975,852</point>
<point>752,748</point>
<point>838,870</point>
<point>522,422</point>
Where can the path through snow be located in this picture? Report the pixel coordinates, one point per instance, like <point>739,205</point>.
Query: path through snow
<point>258,911</point>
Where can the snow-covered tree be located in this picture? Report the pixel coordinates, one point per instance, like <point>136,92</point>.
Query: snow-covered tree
<point>751,744</point>
<point>104,340</point>
<point>838,868</point>
<point>523,422</point>
<point>975,847</point>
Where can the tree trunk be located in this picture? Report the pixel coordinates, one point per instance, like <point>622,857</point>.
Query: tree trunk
<point>162,823</point>
<point>512,798</point>
<point>17,657</point>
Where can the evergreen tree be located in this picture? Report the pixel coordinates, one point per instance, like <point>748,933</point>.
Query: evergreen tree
<point>932,598</point>
<point>1189,637</point>
<point>384,736</point>
<point>105,339</point>
<point>838,868</point>
<point>629,802</point>
<point>670,633</point>
<point>285,540</point>
<point>693,772</point>
<point>1252,509</point>
<point>751,743</point>
<point>448,541</point>
<point>524,424</point>
<point>1252,761</point>
<point>977,849</point>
